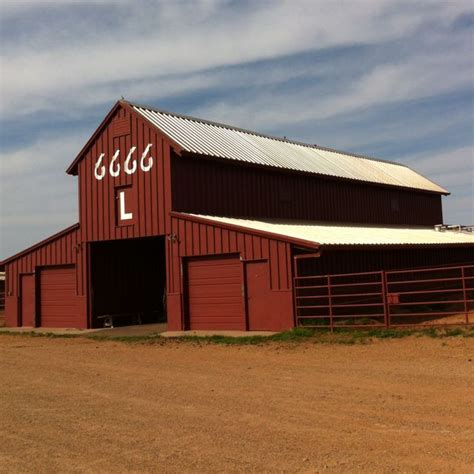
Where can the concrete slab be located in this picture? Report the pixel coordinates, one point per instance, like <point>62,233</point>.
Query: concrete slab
<point>130,331</point>
<point>217,333</point>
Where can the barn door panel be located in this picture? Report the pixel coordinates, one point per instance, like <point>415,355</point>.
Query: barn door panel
<point>259,299</point>
<point>28,300</point>
<point>215,294</point>
<point>58,307</point>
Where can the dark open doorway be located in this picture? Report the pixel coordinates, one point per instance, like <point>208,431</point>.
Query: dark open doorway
<point>128,281</point>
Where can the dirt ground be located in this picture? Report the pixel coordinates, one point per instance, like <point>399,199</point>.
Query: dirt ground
<point>69,405</point>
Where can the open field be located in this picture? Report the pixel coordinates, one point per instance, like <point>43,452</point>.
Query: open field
<point>387,406</point>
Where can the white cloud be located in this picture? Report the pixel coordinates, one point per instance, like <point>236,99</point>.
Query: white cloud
<point>36,196</point>
<point>458,209</point>
<point>179,38</point>
<point>453,167</point>
<point>43,155</point>
<point>417,76</point>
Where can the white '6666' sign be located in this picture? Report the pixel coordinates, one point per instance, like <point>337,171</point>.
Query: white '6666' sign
<point>130,165</point>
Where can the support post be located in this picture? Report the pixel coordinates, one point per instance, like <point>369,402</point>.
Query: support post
<point>331,320</point>
<point>464,294</point>
<point>386,304</point>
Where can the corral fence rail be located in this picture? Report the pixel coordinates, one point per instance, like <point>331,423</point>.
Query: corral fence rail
<point>440,296</point>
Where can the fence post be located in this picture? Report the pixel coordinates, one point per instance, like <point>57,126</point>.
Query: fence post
<point>295,290</point>
<point>295,301</point>
<point>331,324</point>
<point>386,306</point>
<point>464,293</point>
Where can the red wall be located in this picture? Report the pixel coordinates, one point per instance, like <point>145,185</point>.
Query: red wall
<point>347,260</point>
<point>228,189</point>
<point>150,190</point>
<point>61,249</point>
<point>195,238</point>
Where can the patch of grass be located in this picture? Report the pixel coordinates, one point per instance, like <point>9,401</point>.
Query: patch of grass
<point>294,335</point>
<point>389,333</point>
<point>226,340</point>
<point>297,335</point>
<point>144,339</point>
<point>50,335</point>
<point>363,336</point>
<point>449,332</point>
<point>8,333</point>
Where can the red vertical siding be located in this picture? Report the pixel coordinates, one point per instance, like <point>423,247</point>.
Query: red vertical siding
<point>60,249</point>
<point>360,259</point>
<point>27,300</point>
<point>191,238</point>
<point>214,292</point>
<point>229,189</point>
<point>58,301</point>
<point>151,189</point>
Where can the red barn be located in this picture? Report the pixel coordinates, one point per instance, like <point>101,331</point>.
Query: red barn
<point>203,224</point>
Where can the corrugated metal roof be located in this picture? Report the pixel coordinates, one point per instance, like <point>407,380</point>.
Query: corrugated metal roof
<point>222,141</point>
<point>330,234</point>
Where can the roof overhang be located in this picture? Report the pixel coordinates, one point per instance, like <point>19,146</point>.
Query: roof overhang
<point>241,228</point>
<point>326,235</point>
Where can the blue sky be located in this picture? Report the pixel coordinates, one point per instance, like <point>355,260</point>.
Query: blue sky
<point>384,78</point>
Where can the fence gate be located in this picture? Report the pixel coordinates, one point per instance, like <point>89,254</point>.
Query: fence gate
<point>440,296</point>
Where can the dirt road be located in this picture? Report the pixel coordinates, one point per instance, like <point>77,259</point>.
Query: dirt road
<point>390,406</point>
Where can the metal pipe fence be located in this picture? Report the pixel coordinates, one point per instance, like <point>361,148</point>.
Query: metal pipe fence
<point>439,296</point>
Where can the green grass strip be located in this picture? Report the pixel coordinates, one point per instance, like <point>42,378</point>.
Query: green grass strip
<point>297,335</point>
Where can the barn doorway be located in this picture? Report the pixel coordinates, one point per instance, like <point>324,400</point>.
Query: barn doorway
<point>128,281</point>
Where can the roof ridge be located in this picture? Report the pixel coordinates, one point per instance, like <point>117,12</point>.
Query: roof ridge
<point>263,135</point>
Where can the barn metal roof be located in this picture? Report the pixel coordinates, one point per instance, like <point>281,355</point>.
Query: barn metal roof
<point>331,234</point>
<point>223,141</point>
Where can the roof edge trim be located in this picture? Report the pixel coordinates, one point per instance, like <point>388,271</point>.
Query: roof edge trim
<point>271,235</point>
<point>395,245</point>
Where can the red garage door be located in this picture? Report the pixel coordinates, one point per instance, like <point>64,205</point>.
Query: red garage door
<point>58,297</point>
<point>215,294</point>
